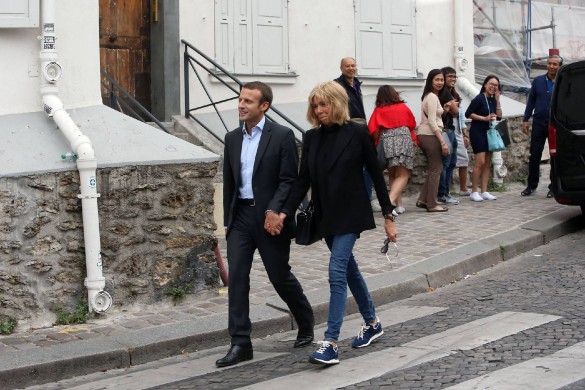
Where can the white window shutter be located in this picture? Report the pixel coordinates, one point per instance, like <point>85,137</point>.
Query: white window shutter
<point>385,40</point>
<point>402,42</point>
<point>270,36</point>
<point>224,32</point>
<point>370,38</point>
<point>243,36</point>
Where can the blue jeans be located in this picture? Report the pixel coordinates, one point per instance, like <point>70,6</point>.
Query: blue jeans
<point>343,272</point>
<point>449,163</point>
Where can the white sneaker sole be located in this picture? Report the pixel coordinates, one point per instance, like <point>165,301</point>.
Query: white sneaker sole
<point>326,362</point>
<point>374,337</point>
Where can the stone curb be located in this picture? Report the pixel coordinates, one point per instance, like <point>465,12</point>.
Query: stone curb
<point>50,364</point>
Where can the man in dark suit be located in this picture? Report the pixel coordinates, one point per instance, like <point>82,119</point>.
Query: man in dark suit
<point>260,166</point>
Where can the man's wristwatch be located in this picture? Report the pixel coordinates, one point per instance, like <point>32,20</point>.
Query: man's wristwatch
<point>390,216</point>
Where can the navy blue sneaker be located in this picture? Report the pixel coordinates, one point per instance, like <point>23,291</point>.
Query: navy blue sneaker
<point>327,353</point>
<point>367,334</point>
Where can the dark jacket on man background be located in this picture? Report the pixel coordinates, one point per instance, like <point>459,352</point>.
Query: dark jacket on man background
<point>539,101</point>
<point>356,104</point>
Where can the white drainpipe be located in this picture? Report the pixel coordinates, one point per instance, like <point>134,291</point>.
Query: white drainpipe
<point>461,63</point>
<point>98,300</point>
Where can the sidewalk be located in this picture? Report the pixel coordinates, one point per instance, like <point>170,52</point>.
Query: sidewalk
<point>434,249</point>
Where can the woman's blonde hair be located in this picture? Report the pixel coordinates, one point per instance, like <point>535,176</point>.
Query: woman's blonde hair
<point>332,93</point>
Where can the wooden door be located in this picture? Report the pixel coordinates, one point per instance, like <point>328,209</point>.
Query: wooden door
<point>125,46</point>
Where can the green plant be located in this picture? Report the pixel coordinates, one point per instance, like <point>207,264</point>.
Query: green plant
<point>522,179</point>
<point>77,316</point>
<point>495,187</point>
<point>178,292</point>
<point>7,325</point>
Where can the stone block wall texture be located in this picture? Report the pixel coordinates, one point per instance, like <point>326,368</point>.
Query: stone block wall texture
<point>157,232</point>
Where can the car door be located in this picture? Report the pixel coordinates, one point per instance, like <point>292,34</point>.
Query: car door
<point>567,133</point>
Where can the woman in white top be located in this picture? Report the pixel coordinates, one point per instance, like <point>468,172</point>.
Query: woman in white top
<point>430,135</point>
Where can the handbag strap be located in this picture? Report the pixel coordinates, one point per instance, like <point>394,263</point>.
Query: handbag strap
<point>487,104</point>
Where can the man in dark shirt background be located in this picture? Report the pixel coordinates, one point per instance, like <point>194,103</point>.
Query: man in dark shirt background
<point>352,86</point>
<point>539,103</point>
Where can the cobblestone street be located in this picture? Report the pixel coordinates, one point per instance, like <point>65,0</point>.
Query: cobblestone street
<point>548,281</point>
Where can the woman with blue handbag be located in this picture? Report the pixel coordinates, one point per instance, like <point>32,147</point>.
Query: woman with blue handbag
<point>483,109</point>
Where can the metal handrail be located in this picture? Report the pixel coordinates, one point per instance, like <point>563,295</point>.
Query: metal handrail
<point>116,103</point>
<point>189,63</point>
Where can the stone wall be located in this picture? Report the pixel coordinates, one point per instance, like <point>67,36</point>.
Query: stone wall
<point>515,158</point>
<point>157,232</point>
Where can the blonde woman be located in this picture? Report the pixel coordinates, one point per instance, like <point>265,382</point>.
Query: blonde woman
<point>333,155</point>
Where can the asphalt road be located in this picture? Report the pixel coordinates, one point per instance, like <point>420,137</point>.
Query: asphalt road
<point>518,325</point>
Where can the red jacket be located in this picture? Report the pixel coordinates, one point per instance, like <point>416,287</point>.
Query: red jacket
<point>391,117</point>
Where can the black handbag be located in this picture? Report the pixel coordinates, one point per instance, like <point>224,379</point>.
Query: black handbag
<point>307,226</point>
<point>504,133</point>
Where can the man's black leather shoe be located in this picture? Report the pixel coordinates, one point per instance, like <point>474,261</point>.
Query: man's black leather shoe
<point>235,355</point>
<point>303,340</point>
<point>550,194</point>
<point>528,191</point>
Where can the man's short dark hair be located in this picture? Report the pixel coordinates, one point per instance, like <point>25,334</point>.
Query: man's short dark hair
<point>448,70</point>
<point>264,89</point>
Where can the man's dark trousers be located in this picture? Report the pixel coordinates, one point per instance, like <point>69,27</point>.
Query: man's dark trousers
<point>537,141</point>
<point>244,237</point>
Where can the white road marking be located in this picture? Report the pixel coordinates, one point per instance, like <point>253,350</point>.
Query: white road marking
<point>426,349</point>
<point>143,379</point>
<point>389,317</point>
<point>544,373</point>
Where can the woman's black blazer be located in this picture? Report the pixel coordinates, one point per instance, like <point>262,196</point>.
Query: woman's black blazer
<point>340,196</point>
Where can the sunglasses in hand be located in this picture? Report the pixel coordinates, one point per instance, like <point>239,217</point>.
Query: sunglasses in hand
<point>385,248</point>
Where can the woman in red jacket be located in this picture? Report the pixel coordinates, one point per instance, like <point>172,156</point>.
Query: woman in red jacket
<point>393,123</point>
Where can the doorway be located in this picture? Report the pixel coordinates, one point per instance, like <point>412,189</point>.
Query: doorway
<point>124,33</point>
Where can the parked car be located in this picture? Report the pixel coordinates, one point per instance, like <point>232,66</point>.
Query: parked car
<point>567,135</point>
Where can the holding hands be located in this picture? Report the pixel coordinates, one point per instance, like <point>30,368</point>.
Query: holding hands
<point>273,223</point>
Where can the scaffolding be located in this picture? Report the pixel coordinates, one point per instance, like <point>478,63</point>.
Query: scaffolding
<point>512,36</point>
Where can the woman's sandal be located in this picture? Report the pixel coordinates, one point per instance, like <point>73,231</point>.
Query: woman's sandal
<point>438,209</point>
<point>421,205</point>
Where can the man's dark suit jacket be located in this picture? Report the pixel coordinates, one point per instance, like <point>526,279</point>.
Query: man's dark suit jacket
<point>347,208</point>
<point>275,171</point>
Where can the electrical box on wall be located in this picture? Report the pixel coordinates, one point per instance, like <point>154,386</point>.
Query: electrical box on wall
<point>19,13</point>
